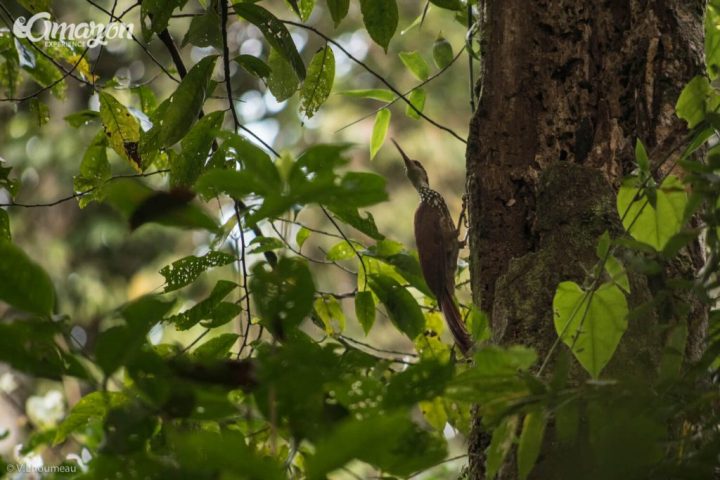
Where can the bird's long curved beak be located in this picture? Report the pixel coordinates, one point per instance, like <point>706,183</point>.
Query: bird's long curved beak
<point>408,163</point>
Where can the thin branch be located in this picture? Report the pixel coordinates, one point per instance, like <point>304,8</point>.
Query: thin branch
<point>135,39</point>
<point>376,349</point>
<point>350,244</point>
<point>226,61</point>
<point>311,229</point>
<point>80,194</point>
<point>419,85</point>
<point>376,75</point>
<point>243,263</point>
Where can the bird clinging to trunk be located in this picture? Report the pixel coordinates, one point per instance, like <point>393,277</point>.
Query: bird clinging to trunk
<point>438,247</point>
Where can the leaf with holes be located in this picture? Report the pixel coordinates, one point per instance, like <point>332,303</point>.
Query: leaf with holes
<point>94,171</point>
<point>283,81</point>
<point>121,128</point>
<point>331,314</point>
<point>274,32</point>
<point>184,105</point>
<point>184,271</point>
<point>196,145</point>
<point>318,84</point>
<point>283,295</point>
<point>591,324</point>
<point>203,310</point>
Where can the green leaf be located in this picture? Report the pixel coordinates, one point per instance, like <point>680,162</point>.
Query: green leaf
<point>343,251</point>
<point>121,128</point>
<point>401,306</point>
<point>94,171</point>
<point>5,234</point>
<point>40,112</point>
<point>37,6</point>
<point>12,186</point>
<point>283,81</point>
<point>28,345</point>
<point>712,40</point>
<point>652,224</point>
<point>92,408</point>
<point>417,99</point>
<point>502,439</point>
<point>365,310</point>
<point>603,246</point>
<point>265,244</point>
<point>674,353</point>
<point>306,8</point>
<point>422,381</point>
<point>156,14</point>
<point>283,295</point>
<point>531,438</point>
<point>118,345</point>
<point>479,325</point>
<point>184,271</point>
<point>442,52</point>
<point>376,94</point>
<point>590,323</point>
<point>177,114</point>
<point>318,84</point>
<point>365,224</point>
<point>330,312</point>
<point>254,66</point>
<point>274,32</point>
<point>23,283</point>
<point>203,310</point>
<point>617,273</point>
<point>380,129</point>
<point>338,10</point>
<point>82,117</point>
<point>196,145</point>
<point>172,209</point>
<point>449,4</point>
<point>205,30</point>
<point>302,235</point>
<point>381,20</point>
<point>216,348</point>
<point>696,100</point>
<point>416,64</point>
<point>641,156</point>
<point>390,442</point>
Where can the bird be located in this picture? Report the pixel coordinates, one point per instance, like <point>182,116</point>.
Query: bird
<point>438,246</point>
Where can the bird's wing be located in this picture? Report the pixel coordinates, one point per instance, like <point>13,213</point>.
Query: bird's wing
<point>431,241</point>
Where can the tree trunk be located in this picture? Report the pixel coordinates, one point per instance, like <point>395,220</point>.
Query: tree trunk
<point>566,88</point>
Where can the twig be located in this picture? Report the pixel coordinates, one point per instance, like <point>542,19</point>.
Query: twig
<point>350,244</point>
<point>243,263</point>
<point>376,75</point>
<point>80,194</point>
<point>408,92</point>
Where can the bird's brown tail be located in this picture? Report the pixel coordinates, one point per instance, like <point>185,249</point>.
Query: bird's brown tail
<point>456,324</point>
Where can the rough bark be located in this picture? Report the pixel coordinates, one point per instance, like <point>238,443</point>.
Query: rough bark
<point>567,87</point>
